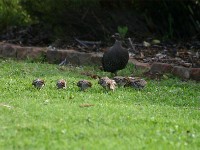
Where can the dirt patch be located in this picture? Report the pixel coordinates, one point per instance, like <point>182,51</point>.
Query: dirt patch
<point>90,31</point>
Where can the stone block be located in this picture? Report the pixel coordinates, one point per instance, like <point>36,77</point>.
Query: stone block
<point>1,48</point>
<point>35,53</point>
<point>181,72</point>
<point>85,58</point>
<point>54,56</point>
<point>22,53</point>
<point>161,68</point>
<point>96,59</point>
<point>139,65</point>
<point>195,74</point>
<point>73,57</point>
<point>9,51</point>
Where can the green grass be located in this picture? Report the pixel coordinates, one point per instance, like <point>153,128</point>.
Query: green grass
<point>165,115</point>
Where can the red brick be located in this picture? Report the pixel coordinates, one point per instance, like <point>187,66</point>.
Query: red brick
<point>9,51</point>
<point>96,59</point>
<point>35,53</point>
<point>22,53</point>
<point>53,56</point>
<point>195,74</point>
<point>161,68</point>
<point>139,65</point>
<point>181,72</point>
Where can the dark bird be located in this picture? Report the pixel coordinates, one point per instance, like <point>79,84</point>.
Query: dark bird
<point>61,84</point>
<point>116,57</point>
<point>84,84</point>
<point>38,83</point>
<point>107,83</point>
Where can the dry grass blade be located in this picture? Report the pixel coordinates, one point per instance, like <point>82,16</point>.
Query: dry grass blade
<point>86,105</point>
<point>4,105</point>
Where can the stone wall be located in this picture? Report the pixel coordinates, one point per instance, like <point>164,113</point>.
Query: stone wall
<point>81,58</point>
<point>51,56</point>
<point>182,72</point>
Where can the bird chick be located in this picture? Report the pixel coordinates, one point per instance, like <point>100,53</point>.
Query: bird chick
<point>136,83</point>
<point>61,84</point>
<point>38,83</point>
<point>107,83</point>
<point>103,81</point>
<point>84,84</point>
<point>121,81</point>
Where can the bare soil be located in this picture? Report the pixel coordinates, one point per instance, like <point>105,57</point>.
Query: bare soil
<point>90,31</point>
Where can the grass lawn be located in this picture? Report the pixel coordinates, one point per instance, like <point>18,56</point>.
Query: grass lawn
<point>165,115</point>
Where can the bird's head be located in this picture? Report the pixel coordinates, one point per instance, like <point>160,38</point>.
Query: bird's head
<point>117,36</point>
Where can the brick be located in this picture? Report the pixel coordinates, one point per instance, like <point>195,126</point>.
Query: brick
<point>139,65</point>
<point>181,72</point>
<point>54,56</point>
<point>195,74</point>
<point>22,53</point>
<point>9,51</point>
<point>35,53</point>
<point>96,59</point>
<point>161,68</point>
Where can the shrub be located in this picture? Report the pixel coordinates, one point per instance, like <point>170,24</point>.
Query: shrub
<point>171,18</point>
<point>12,14</point>
<point>167,18</point>
<point>53,13</point>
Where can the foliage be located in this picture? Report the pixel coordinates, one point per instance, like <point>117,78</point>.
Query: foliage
<point>171,18</point>
<point>164,17</point>
<point>53,14</point>
<point>122,31</point>
<point>165,115</point>
<point>12,14</point>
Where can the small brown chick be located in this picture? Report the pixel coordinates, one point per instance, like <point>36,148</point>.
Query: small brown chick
<point>121,81</point>
<point>84,84</point>
<point>61,84</point>
<point>38,83</point>
<point>103,82</point>
<point>136,83</point>
<point>107,83</point>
